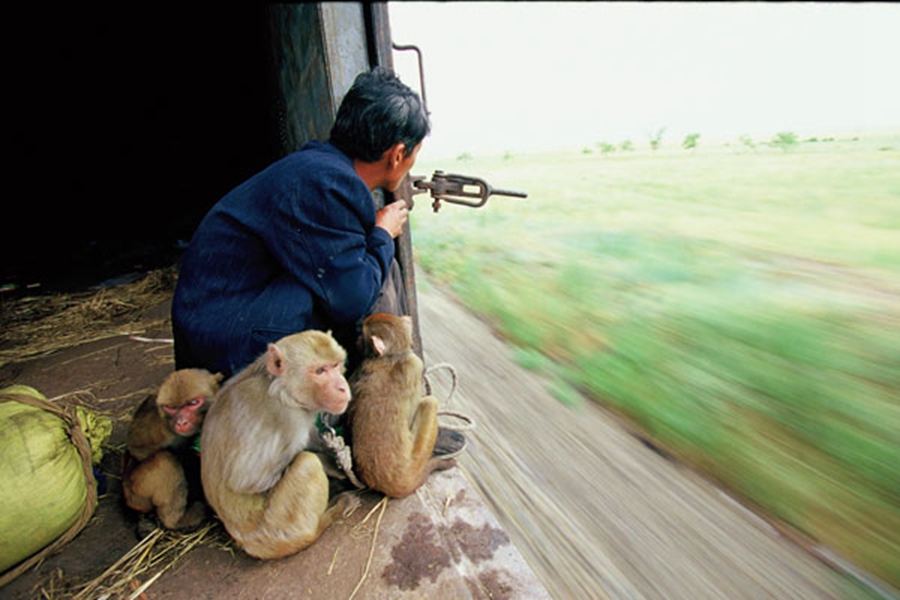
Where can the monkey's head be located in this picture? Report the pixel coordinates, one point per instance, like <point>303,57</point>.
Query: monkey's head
<point>184,398</point>
<point>384,333</point>
<point>308,372</point>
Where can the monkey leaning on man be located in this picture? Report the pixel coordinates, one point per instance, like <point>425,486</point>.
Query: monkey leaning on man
<point>392,426</point>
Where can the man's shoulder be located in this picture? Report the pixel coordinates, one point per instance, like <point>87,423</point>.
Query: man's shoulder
<point>321,153</point>
<point>324,167</point>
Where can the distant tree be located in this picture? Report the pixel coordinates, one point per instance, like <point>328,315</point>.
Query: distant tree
<point>690,142</point>
<point>587,150</point>
<point>606,148</point>
<point>626,146</point>
<point>464,157</point>
<point>748,142</point>
<point>656,138</point>
<point>508,155</point>
<point>784,140</point>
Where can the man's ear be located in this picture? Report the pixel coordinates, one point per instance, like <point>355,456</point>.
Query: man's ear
<point>396,153</point>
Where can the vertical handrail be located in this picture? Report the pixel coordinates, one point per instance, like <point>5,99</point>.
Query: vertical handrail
<point>403,48</point>
<point>378,40</point>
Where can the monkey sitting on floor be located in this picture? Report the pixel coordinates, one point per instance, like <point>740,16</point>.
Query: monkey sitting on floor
<point>392,426</point>
<point>268,489</point>
<point>160,468</point>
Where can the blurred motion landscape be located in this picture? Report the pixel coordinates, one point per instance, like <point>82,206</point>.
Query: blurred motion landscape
<point>738,300</point>
<point>681,350</point>
<point>710,246</point>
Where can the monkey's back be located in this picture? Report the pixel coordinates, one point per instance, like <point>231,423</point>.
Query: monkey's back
<point>229,419</point>
<point>386,393</point>
<point>148,431</point>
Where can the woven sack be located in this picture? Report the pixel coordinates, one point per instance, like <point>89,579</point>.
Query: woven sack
<point>47,487</point>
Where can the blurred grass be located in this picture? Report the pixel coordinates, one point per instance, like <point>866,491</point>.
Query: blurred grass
<point>742,307</point>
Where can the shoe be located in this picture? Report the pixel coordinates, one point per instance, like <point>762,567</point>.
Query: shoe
<point>449,444</point>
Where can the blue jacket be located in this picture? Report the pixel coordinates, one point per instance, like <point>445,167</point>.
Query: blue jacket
<point>294,247</point>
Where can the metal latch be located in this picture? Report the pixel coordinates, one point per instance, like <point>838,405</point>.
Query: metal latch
<point>447,187</point>
<point>456,189</point>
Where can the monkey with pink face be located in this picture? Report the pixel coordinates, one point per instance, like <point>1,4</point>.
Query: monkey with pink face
<point>160,468</point>
<point>269,490</point>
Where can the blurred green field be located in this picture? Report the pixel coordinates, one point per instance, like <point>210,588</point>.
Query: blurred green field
<point>741,305</point>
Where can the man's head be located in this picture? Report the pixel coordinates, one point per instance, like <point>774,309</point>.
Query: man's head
<point>378,112</point>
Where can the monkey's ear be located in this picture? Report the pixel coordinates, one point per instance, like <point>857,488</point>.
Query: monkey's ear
<point>274,361</point>
<point>378,345</point>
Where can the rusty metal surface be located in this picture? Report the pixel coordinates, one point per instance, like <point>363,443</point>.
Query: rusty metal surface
<point>378,34</point>
<point>344,41</point>
<point>302,93</point>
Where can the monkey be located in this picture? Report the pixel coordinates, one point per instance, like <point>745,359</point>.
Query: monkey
<point>160,467</point>
<point>393,428</point>
<point>268,489</point>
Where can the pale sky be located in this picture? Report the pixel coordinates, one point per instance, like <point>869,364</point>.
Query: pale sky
<point>539,75</point>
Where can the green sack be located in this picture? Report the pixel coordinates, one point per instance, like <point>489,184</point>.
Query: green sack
<point>47,486</point>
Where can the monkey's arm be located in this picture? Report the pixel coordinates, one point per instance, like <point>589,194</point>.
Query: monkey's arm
<point>266,454</point>
<point>252,471</point>
<point>148,432</point>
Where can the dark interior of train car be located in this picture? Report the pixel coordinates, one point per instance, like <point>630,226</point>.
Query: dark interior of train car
<point>127,125</point>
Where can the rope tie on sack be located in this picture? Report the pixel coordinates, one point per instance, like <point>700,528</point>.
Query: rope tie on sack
<point>83,446</point>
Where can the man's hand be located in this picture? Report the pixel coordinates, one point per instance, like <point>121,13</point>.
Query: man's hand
<point>392,217</point>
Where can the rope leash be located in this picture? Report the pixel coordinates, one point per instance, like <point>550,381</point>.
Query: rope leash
<point>342,454</point>
<point>453,379</point>
<point>468,422</point>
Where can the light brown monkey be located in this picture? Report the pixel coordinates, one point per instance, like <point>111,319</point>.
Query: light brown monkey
<point>269,491</point>
<point>393,427</point>
<point>160,469</point>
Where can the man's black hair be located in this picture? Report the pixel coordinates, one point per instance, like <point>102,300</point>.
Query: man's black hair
<point>378,111</point>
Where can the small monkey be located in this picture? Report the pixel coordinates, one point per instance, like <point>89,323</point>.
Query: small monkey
<point>393,427</point>
<point>269,491</point>
<point>160,469</point>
